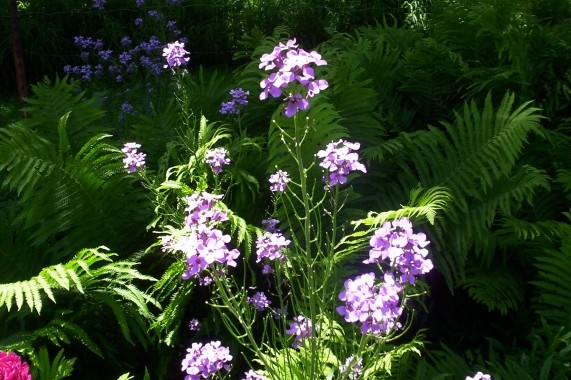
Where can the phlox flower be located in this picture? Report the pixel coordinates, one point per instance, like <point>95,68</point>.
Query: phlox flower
<point>194,325</point>
<point>216,158</point>
<point>396,242</point>
<point>175,55</point>
<point>271,246</point>
<point>376,307</point>
<point>294,66</point>
<point>279,181</point>
<point>301,328</point>
<point>339,159</point>
<point>239,101</point>
<point>133,160</point>
<point>259,301</point>
<point>205,361</point>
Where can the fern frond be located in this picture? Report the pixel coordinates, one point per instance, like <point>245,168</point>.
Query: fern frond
<point>50,102</point>
<point>498,289</point>
<point>423,204</point>
<point>553,284</point>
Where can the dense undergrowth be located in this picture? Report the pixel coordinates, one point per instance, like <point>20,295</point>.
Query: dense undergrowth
<point>461,112</point>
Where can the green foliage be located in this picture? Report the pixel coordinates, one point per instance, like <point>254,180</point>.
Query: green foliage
<point>51,102</point>
<point>553,300</point>
<point>476,159</point>
<point>58,368</point>
<point>60,192</point>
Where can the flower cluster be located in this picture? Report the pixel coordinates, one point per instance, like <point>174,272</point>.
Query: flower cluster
<point>259,301</point>
<point>294,65</point>
<point>479,376</point>
<point>339,159</point>
<point>300,328</point>
<point>251,375</point>
<point>201,242</point>
<point>125,57</point>
<point>279,181</point>
<point>271,246</point>
<point>133,160</point>
<point>376,307</point>
<point>194,325</point>
<point>353,368</point>
<point>216,158</point>
<point>239,101</point>
<point>205,361</point>
<point>13,368</point>
<point>271,225</point>
<point>404,249</point>
<point>175,55</point>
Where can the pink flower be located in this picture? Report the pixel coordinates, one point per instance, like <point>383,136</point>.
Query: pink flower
<point>12,367</point>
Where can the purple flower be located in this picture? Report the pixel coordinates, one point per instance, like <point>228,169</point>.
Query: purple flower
<point>105,54</point>
<point>126,41</point>
<point>352,369</point>
<point>271,225</point>
<point>239,101</point>
<point>293,65</point>
<point>13,368</point>
<point>133,160</point>
<point>279,181</point>
<point>375,307</point>
<point>216,158</point>
<point>83,42</point>
<point>479,376</point>
<point>138,21</point>
<point>404,249</point>
<point>339,159</point>
<point>294,103</point>
<point>251,375</point>
<point>155,15</point>
<point>204,281</point>
<point>300,328</point>
<point>201,242</point>
<point>139,3</point>
<point>99,4</point>
<point>271,246</point>
<point>266,269</point>
<point>171,24</point>
<point>125,58</point>
<point>194,324</point>
<point>259,301</point>
<point>175,55</point>
<point>205,361</point>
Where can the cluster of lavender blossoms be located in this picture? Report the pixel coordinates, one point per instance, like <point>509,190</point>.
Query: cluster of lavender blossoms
<point>378,306</point>
<point>216,158</point>
<point>133,159</point>
<point>375,307</point>
<point>259,301</point>
<point>271,246</point>
<point>301,328</point>
<point>175,55</point>
<point>294,65</point>
<point>205,361</point>
<point>126,58</point>
<point>339,159</point>
<point>404,249</point>
<point>201,242</point>
<point>279,181</point>
<point>239,101</point>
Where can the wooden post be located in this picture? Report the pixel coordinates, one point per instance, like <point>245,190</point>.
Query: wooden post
<point>18,52</point>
